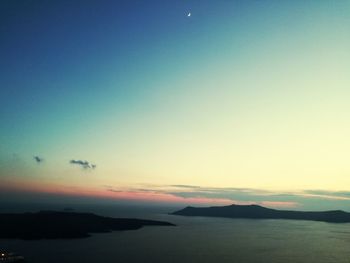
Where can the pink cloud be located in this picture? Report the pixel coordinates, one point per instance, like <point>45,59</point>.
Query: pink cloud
<point>166,197</point>
<point>130,194</point>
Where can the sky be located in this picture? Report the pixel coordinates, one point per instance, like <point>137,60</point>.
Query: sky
<point>240,102</point>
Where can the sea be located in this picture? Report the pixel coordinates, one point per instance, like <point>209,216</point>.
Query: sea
<point>193,239</point>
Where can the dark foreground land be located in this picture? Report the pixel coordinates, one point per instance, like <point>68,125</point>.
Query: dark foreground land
<point>259,212</point>
<point>53,225</point>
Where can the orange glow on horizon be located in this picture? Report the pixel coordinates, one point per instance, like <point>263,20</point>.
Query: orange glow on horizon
<point>30,187</point>
<point>149,196</point>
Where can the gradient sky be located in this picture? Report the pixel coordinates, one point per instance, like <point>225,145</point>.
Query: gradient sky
<point>245,100</point>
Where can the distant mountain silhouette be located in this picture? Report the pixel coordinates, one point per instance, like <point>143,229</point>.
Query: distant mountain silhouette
<point>52,225</point>
<point>259,212</point>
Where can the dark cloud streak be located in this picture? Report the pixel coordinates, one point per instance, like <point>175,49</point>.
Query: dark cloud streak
<point>38,159</point>
<point>83,164</point>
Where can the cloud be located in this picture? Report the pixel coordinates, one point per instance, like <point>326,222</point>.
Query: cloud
<point>324,194</point>
<point>302,199</point>
<point>83,164</point>
<point>185,186</point>
<point>38,159</point>
<point>305,200</point>
<point>211,195</point>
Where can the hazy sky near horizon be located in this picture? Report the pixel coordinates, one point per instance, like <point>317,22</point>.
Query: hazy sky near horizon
<point>241,94</point>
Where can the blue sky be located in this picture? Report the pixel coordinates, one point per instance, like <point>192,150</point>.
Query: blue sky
<point>246,94</point>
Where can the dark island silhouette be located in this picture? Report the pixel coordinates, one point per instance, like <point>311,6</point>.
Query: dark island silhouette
<point>54,225</point>
<point>259,212</point>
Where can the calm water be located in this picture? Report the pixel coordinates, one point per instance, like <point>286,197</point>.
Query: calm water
<point>197,239</point>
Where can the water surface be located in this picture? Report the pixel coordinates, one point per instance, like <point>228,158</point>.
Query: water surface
<point>197,239</point>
